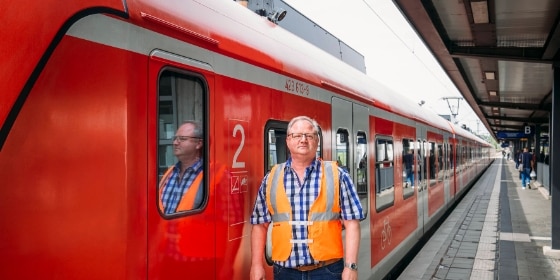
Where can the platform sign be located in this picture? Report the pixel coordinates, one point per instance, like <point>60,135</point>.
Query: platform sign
<point>527,131</point>
<point>505,144</point>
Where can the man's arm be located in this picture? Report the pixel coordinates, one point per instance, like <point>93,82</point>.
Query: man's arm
<point>258,241</point>
<point>352,247</point>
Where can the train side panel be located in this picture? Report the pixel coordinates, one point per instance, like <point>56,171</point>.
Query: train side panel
<point>33,28</point>
<point>72,161</point>
<point>394,225</point>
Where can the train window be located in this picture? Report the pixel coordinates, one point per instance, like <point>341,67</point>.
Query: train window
<point>463,158</point>
<point>459,158</point>
<point>384,173</point>
<point>362,168</point>
<point>439,163</point>
<point>408,167</point>
<point>432,163</point>
<point>446,160</point>
<point>451,158</point>
<point>420,164</point>
<point>342,147</point>
<point>181,139</point>
<point>276,148</point>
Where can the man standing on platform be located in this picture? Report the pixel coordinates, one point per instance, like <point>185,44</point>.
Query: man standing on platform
<point>308,200</point>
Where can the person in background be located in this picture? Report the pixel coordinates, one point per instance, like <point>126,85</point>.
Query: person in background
<point>516,157</point>
<point>526,159</point>
<point>518,161</point>
<point>432,161</point>
<point>408,160</point>
<point>307,232</point>
<point>181,185</point>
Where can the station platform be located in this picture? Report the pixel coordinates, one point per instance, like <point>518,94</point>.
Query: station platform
<point>497,231</point>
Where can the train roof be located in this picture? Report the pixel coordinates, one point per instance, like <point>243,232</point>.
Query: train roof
<point>240,31</point>
<point>222,26</point>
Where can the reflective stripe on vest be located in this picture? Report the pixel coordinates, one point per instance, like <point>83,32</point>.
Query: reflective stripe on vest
<point>187,201</point>
<point>323,223</point>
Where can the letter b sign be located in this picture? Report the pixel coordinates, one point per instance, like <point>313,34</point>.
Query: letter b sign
<point>528,130</point>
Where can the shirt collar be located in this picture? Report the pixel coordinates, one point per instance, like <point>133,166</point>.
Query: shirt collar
<point>196,166</point>
<point>314,164</point>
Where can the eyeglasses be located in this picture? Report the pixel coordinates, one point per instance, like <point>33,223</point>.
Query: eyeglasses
<point>184,138</point>
<point>308,136</point>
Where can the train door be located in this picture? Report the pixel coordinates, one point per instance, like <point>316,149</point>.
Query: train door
<point>459,165</point>
<point>445,168</point>
<point>453,167</point>
<point>422,148</point>
<point>350,126</point>
<point>181,217</point>
<point>351,130</point>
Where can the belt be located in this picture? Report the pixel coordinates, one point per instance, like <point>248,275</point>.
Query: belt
<point>316,265</point>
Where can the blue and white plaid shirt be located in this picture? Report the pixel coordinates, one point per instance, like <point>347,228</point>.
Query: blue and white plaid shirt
<point>176,187</point>
<point>301,198</point>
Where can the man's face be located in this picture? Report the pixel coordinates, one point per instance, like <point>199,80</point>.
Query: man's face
<point>302,140</point>
<point>186,145</point>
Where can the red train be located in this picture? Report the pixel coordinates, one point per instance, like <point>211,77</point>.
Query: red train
<point>93,91</point>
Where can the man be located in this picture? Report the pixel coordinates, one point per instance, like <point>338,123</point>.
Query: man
<point>307,230</point>
<point>181,186</point>
<point>526,159</point>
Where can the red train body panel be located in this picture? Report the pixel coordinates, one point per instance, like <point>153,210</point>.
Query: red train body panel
<point>93,90</point>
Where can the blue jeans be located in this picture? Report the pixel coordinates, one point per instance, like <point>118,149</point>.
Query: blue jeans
<point>525,177</point>
<point>330,272</point>
<point>410,177</point>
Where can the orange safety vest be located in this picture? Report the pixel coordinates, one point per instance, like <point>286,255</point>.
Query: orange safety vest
<point>177,237</point>
<point>324,228</point>
<point>187,201</point>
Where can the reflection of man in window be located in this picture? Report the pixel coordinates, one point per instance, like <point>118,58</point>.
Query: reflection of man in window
<point>180,187</point>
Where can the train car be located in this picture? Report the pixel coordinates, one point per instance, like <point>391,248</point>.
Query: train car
<point>95,89</point>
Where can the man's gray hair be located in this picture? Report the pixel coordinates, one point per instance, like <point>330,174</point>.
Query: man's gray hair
<point>304,118</point>
<point>198,132</point>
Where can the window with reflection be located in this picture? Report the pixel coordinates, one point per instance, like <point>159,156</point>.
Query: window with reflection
<point>362,169</point>
<point>342,148</point>
<point>439,163</point>
<point>408,167</point>
<point>421,164</point>
<point>458,159</point>
<point>361,163</point>
<point>471,154</point>
<point>431,152</point>
<point>451,158</point>
<point>277,150</point>
<point>446,163</point>
<point>463,157</point>
<point>181,139</point>
<point>384,172</point>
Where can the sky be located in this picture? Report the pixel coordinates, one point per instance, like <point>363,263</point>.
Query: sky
<point>393,52</point>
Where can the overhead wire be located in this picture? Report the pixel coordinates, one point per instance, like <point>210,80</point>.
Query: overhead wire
<point>412,50</point>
